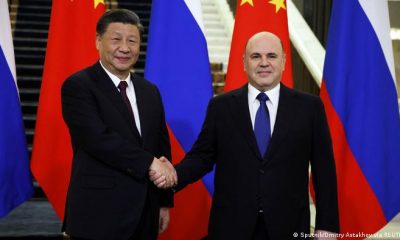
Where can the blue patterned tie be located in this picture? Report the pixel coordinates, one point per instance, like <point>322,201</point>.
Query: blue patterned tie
<point>262,128</point>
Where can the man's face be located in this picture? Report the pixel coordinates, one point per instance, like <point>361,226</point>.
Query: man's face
<point>119,48</point>
<point>264,61</point>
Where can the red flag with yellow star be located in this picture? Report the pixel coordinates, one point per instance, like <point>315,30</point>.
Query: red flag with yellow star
<point>70,47</point>
<point>254,16</point>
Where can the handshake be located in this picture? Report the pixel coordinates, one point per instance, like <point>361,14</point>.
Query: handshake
<point>162,173</point>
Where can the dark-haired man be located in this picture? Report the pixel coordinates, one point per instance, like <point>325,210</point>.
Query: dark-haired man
<point>118,132</point>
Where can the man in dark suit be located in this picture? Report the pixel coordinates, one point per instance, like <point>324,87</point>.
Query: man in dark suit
<point>118,132</point>
<point>261,139</point>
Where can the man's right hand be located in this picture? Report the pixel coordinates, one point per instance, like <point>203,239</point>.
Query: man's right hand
<point>162,173</point>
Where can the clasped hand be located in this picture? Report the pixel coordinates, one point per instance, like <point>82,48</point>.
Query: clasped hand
<point>162,173</point>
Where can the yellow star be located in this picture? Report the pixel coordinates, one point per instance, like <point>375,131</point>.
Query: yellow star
<point>97,2</point>
<point>278,4</point>
<point>247,1</point>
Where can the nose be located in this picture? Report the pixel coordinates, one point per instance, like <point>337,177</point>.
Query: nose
<point>264,61</point>
<point>124,47</point>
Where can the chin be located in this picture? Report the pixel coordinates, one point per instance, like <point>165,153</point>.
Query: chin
<point>124,66</point>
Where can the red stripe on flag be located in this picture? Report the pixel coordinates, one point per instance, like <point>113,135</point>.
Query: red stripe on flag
<point>190,215</point>
<point>356,198</point>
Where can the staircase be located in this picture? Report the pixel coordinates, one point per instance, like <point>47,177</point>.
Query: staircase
<point>30,38</point>
<point>218,25</point>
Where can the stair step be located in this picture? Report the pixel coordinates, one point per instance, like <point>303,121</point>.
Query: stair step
<point>212,20</point>
<point>219,41</point>
<point>219,49</point>
<point>32,42</point>
<point>215,32</point>
<point>31,33</point>
<point>42,17</point>
<point>214,25</point>
<point>28,91</point>
<point>211,16</point>
<point>32,70</point>
<point>29,135</point>
<point>208,2</point>
<point>33,24</point>
<point>28,49</point>
<point>210,9</point>
<point>29,58</point>
<point>29,82</point>
<point>34,8</point>
<point>35,2</point>
<point>27,95</point>
<point>29,109</point>
<point>29,121</point>
<point>24,78</point>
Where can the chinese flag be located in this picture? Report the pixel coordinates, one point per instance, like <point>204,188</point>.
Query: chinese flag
<point>70,47</point>
<point>254,16</point>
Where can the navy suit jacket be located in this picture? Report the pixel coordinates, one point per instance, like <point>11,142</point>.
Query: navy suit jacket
<point>278,183</point>
<point>109,181</point>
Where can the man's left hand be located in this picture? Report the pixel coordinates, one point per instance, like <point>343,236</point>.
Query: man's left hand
<point>164,219</point>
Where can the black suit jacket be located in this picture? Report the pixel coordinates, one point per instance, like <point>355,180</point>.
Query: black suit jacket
<point>278,183</point>
<point>109,181</point>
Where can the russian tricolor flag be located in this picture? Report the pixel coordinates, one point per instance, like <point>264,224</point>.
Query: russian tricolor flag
<point>15,178</point>
<point>177,62</point>
<point>359,93</point>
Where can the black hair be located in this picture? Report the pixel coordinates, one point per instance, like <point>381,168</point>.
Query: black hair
<point>124,16</point>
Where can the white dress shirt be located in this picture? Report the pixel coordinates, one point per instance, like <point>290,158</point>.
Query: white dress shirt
<point>272,103</point>
<point>130,92</point>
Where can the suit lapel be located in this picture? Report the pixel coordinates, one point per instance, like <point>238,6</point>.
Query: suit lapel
<point>240,108</point>
<point>282,122</point>
<point>108,88</point>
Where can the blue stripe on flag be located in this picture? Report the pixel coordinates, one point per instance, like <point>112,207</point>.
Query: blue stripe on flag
<point>15,178</point>
<point>363,93</point>
<point>177,62</point>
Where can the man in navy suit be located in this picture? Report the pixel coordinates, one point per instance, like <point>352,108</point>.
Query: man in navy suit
<point>262,138</point>
<point>118,132</point>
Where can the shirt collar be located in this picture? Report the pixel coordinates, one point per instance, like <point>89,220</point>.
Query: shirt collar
<point>273,94</point>
<point>115,79</point>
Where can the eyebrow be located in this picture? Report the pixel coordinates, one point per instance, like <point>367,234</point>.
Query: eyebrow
<point>268,54</point>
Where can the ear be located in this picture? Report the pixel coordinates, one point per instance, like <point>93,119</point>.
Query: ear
<point>244,64</point>
<point>284,61</point>
<point>98,41</point>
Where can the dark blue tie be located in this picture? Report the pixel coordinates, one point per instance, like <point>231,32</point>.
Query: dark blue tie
<point>262,128</point>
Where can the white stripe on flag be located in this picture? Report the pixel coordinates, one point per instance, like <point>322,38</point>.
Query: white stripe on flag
<point>378,15</point>
<point>195,8</point>
<point>6,38</point>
